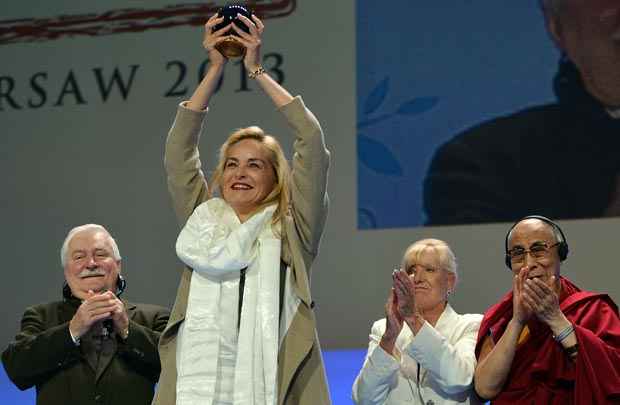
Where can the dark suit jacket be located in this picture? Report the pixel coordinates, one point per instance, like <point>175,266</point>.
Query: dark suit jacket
<point>44,355</point>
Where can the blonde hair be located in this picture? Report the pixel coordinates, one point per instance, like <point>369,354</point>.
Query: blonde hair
<point>445,256</point>
<point>281,190</point>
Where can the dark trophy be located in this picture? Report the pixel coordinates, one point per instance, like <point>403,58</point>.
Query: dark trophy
<point>231,47</point>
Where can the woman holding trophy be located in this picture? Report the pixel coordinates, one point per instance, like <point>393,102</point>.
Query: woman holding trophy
<point>242,330</point>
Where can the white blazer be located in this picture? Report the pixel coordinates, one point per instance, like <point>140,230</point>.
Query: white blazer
<point>446,359</point>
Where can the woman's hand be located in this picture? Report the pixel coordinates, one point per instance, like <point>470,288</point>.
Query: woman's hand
<point>405,294</point>
<point>251,41</point>
<point>211,39</point>
<point>202,95</point>
<point>393,323</point>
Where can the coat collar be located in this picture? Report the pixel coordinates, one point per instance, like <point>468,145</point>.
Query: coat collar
<point>446,320</point>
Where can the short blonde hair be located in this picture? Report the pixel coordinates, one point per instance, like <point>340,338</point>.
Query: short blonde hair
<point>280,192</point>
<point>445,256</point>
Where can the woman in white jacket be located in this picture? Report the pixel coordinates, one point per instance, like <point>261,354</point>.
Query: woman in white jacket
<point>422,352</point>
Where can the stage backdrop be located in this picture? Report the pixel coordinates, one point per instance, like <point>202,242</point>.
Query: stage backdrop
<point>427,72</point>
<point>89,90</point>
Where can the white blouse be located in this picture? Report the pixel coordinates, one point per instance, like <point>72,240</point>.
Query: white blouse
<point>436,366</point>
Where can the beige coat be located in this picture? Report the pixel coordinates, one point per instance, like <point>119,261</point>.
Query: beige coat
<point>301,375</point>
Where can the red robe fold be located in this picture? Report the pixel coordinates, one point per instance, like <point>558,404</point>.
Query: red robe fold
<point>541,373</point>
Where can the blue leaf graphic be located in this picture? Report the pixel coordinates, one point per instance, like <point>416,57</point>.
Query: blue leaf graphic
<point>366,219</point>
<point>418,105</point>
<point>376,97</point>
<point>377,157</point>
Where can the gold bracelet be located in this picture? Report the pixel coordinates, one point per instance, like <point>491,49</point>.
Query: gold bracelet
<point>259,71</point>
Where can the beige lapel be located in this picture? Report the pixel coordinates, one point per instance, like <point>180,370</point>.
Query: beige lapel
<point>294,349</point>
<point>166,393</point>
<point>292,255</point>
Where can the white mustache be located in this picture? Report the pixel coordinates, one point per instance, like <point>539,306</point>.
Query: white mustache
<point>96,272</point>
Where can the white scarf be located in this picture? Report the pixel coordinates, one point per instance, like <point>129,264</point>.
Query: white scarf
<point>217,246</point>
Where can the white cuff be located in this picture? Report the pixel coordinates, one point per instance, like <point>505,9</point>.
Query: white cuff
<point>384,362</point>
<point>425,344</point>
<point>76,341</point>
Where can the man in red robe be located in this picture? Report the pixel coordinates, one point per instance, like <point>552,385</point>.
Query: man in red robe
<point>547,341</point>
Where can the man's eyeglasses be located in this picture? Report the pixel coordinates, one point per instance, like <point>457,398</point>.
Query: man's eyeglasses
<point>538,250</point>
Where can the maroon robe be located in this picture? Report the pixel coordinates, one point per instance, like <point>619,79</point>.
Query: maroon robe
<point>542,373</point>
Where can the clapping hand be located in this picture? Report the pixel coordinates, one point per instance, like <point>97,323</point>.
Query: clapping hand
<point>522,310</point>
<point>393,321</point>
<point>96,308</point>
